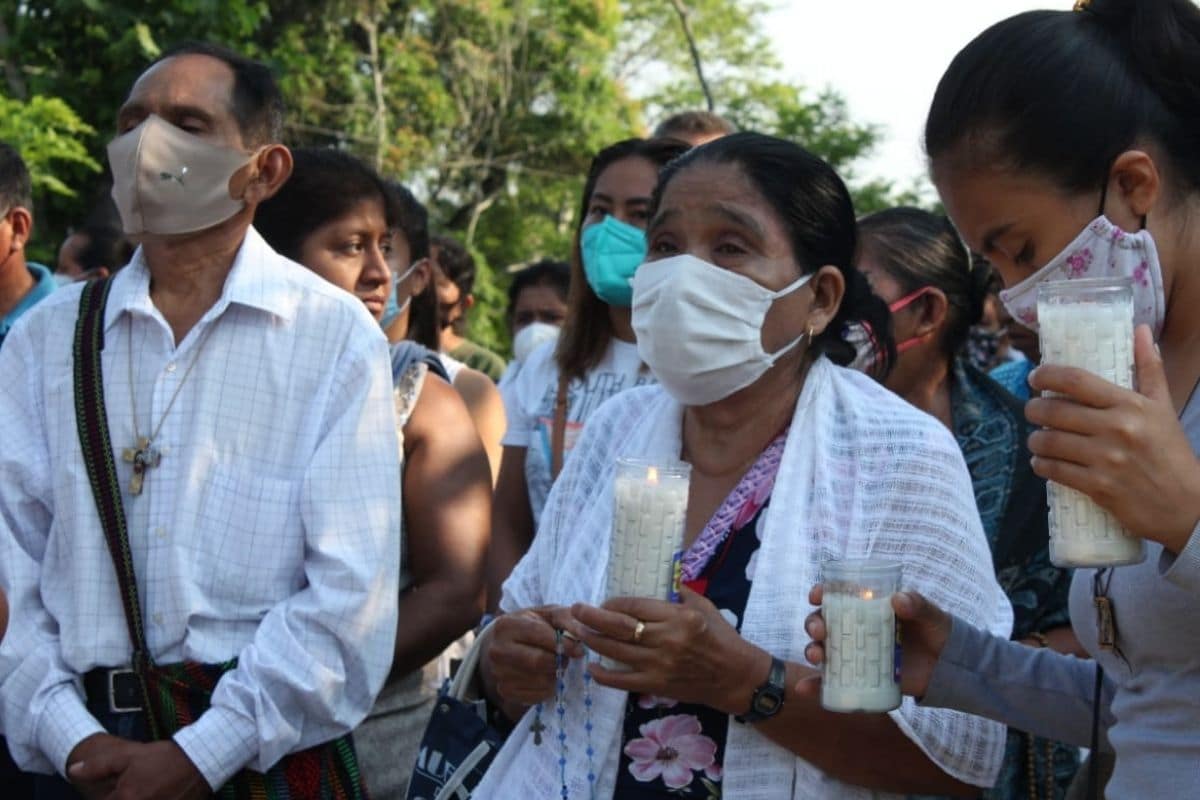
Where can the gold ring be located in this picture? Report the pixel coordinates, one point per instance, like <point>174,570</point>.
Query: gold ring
<point>638,630</point>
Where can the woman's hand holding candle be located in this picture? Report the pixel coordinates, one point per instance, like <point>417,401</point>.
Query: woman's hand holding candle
<point>687,651</point>
<point>924,631</point>
<point>1124,449</point>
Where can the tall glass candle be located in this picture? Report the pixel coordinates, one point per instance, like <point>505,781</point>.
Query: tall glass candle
<point>650,508</point>
<point>1088,323</point>
<point>862,659</point>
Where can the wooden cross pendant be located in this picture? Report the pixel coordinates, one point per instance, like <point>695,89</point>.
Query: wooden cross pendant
<point>143,457</point>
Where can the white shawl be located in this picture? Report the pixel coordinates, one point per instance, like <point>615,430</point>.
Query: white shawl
<point>863,473</point>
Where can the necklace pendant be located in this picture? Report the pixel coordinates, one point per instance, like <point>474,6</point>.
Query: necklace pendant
<point>1106,625</point>
<point>537,728</point>
<point>143,457</point>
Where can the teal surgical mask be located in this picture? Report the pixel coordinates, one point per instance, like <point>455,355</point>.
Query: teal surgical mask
<point>612,251</point>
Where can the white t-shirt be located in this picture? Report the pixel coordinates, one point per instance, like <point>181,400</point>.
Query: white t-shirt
<point>529,407</point>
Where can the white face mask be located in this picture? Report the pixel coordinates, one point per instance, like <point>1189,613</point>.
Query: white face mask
<point>1102,250</point>
<point>699,327</point>
<point>167,181</point>
<point>531,337</point>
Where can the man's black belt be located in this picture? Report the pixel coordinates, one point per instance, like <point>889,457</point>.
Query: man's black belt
<point>115,690</point>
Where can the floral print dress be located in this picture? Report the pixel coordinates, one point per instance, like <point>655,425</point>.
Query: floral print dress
<point>672,749</point>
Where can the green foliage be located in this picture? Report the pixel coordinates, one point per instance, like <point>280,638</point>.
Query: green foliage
<point>83,55</point>
<point>488,324</point>
<point>729,35</point>
<point>89,52</point>
<point>53,143</point>
<point>51,139</point>
<point>490,109</point>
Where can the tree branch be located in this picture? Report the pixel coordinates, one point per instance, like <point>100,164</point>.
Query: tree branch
<point>335,134</point>
<point>682,11</point>
<point>477,212</point>
<point>370,26</point>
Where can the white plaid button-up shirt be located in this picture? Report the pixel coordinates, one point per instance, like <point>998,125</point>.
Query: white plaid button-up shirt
<point>270,530</point>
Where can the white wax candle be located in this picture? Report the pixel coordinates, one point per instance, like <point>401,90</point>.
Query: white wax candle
<point>860,653</point>
<point>650,510</point>
<point>1097,337</point>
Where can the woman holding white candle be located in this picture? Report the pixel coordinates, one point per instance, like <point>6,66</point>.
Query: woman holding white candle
<point>1123,78</point>
<point>795,460</point>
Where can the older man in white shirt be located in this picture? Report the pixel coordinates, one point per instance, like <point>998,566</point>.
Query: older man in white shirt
<point>263,490</point>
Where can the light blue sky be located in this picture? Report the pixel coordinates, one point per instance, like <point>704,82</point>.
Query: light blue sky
<point>886,57</point>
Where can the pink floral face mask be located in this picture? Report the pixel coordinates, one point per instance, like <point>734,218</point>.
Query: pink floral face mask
<point>1102,250</point>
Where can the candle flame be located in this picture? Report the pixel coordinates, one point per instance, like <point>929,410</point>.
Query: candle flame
<point>652,475</point>
<point>868,595</point>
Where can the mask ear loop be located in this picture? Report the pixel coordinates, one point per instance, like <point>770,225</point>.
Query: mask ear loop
<point>784,292</point>
<point>401,278</point>
<point>252,161</point>
<point>794,286</point>
<point>908,299</point>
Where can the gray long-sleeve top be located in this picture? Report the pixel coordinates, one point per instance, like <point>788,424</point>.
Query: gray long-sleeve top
<point>1150,708</point>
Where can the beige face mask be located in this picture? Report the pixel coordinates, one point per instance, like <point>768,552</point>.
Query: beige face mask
<point>167,181</point>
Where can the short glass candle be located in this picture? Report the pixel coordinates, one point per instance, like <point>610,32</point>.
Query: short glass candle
<point>862,654</point>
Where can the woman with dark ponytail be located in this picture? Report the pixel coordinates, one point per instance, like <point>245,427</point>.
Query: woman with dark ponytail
<point>739,311</point>
<point>1067,144</point>
<point>918,264</point>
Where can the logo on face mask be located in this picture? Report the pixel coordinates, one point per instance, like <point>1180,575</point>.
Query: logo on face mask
<point>167,176</point>
<point>167,181</point>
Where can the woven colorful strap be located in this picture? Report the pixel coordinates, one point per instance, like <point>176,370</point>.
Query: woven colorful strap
<point>92,421</point>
